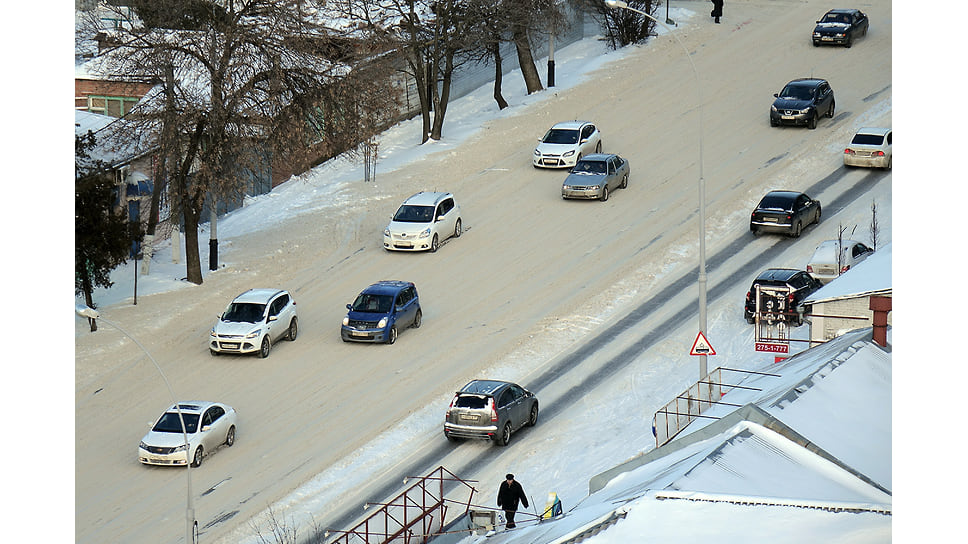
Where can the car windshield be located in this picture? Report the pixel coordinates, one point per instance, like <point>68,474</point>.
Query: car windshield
<point>244,312</point>
<point>561,136</point>
<point>414,214</point>
<point>867,139</point>
<point>797,92</point>
<point>589,167</point>
<point>379,304</point>
<point>776,202</point>
<point>836,18</point>
<point>171,423</point>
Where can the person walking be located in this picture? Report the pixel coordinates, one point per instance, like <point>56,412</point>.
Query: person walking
<point>508,496</point>
<point>717,11</point>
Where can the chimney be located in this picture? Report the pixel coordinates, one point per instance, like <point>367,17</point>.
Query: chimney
<point>880,306</point>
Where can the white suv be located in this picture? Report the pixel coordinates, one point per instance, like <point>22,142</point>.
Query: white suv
<point>253,322</point>
<point>423,222</point>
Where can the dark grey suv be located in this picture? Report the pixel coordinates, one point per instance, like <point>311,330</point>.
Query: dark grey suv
<point>801,102</point>
<point>781,290</point>
<point>490,410</point>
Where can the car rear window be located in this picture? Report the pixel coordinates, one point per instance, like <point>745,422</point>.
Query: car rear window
<point>471,401</point>
<point>776,202</point>
<point>867,139</point>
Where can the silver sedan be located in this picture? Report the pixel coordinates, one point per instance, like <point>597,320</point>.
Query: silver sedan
<point>595,176</point>
<point>207,425</point>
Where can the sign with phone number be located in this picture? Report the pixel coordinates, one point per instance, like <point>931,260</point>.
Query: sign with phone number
<point>772,348</point>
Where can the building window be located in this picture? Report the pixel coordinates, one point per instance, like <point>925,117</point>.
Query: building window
<point>115,106</point>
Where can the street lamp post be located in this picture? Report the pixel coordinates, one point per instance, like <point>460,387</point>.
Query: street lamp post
<point>191,534</point>
<point>702,184</point>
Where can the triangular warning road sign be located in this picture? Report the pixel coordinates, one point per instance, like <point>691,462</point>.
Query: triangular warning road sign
<point>702,346</point>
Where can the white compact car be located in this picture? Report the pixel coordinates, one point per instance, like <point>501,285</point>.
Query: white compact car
<point>253,322</point>
<point>825,266</point>
<point>870,147</point>
<point>423,222</point>
<point>565,143</point>
<point>208,425</point>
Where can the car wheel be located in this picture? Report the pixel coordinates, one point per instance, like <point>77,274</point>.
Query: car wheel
<point>604,196</point>
<point>750,319</point>
<point>417,319</point>
<point>816,43</point>
<point>889,159</point>
<point>533,418</point>
<point>266,346</point>
<point>293,330</point>
<point>434,244</point>
<point>598,147</point>
<point>812,123</point>
<point>773,122</point>
<point>453,438</point>
<point>625,182</point>
<point>833,106</point>
<point>797,320</point>
<point>816,219</point>
<point>458,229</point>
<point>755,231</point>
<point>197,459</point>
<point>213,353</point>
<point>393,334</point>
<point>850,41</point>
<point>505,437</point>
<point>230,436</point>
<point>797,230</point>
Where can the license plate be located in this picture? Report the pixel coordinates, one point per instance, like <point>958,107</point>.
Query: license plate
<point>466,417</point>
<point>769,219</point>
<point>787,117</point>
<point>229,345</point>
<point>358,333</point>
<point>827,39</point>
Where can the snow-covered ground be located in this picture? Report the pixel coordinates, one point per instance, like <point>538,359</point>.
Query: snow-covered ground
<point>652,384</point>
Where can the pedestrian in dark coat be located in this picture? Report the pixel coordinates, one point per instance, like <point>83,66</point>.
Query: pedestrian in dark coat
<point>717,11</point>
<point>508,496</point>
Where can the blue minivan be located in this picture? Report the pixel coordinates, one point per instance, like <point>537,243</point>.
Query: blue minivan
<point>380,311</point>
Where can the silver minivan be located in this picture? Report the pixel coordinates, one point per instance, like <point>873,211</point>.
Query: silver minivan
<point>490,410</point>
<point>423,222</point>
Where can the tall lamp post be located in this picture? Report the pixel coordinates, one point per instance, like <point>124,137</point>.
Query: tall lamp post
<point>191,534</point>
<point>702,183</point>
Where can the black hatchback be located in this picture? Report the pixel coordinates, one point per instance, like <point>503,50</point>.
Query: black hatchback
<point>802,102</point>
<point>781,290</point>
<point>840,27</point>
<point>785,212</point>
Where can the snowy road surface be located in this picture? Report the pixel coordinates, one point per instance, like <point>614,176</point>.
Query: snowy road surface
<point>531,280</point>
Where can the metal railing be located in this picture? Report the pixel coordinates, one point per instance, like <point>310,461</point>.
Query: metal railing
<point>413,516</point>
<point>672,418</point>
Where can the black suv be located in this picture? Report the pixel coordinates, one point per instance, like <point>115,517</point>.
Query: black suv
<point>802,102</point>
<point>781,292</point>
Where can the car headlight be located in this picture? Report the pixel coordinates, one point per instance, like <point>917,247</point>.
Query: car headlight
<point>382,323</point>
<point>386,231</point>
<point>841,34</point>
<point>773,108</point>
<point>346,320</point>
<point>213,333</point>
<point>595,187</point>
<point>568,153</point>
<point>805,110</point>
<point>254,334</point>
<point>425,233</point>
<point>178,448</point>
<point>536,152</point>
<point>142,445</point>
<point>816,34</point>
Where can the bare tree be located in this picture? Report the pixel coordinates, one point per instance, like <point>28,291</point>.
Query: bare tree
<point>622,27</point>
<point>875,229</point>
<point>238,83</point>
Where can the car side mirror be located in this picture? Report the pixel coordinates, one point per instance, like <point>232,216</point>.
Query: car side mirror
<point>583,140</point>
<point>776,95</point>
<point>349,306</point>
<point>272,318</point>
<point>206,428</point>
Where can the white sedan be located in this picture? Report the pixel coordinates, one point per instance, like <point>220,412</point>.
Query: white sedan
<point>870,147</point>
<point>565,143</point>
<point>208,425</point>
<point>825,265</point>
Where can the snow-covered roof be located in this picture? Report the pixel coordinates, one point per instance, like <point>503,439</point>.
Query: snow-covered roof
<point>810,447</point>
<point>870,277</point>
<point>117,142</point>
